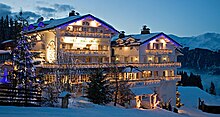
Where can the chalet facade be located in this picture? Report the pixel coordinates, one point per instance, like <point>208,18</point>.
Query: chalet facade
<point>70,46</point>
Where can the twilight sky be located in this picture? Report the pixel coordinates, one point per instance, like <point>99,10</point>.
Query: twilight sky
<point>180,17</point>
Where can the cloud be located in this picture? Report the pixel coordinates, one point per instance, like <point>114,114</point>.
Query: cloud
<point>32,17</point>
<point>29,15</point>
<point>47,12</point>
<point>42,2</point>
<point>5,10</point>
<point>46,9</point>
<point>63,7</point>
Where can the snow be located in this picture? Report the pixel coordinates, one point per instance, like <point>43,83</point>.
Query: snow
<point>189,97</point>
<point>95,111</point>
<point>5,51</point>
<point>131,70</point>
<point>63,94</point>
<point>207,41</point>
<point>80,107</point>
<point>54,23</point>
<point>141,90</point>
<point>206,79</point>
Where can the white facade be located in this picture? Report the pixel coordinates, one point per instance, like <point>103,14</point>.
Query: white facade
<point>158,51</point>
<point>85,42</point>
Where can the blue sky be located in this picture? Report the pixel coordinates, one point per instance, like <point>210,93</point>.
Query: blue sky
<point>180,17</point>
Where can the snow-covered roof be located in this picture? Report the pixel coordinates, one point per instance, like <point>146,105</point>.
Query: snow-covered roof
<point>61,22</point>
<point>131,69</point>
<point>141,90</point>
<point>143,38</point>
<point>5,51</point>
<point>64,94</point>
<point>7,41</point>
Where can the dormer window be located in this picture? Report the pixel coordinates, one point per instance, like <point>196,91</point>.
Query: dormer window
<point>119,41</point>
<point>85,23</point>
<point>131,40</point>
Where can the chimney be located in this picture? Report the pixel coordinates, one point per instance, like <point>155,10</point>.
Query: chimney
<point>72,13</point>
<point>145,30</point>
<point>122,34</point>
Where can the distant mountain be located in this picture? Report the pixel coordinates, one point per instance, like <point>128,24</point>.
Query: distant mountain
<point>209,41</point>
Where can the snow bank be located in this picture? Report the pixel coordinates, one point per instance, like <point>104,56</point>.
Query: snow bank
<point>96,111</point>
<point>190,95</point>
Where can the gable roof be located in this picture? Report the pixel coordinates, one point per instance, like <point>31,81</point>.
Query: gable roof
<point>145,38</point>
<point>61,22</point>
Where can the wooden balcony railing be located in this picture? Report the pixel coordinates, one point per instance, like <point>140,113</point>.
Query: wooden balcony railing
<point>87,52</point>
<point>150,81</point>
<point>159,51</point>
<point>106,65</point>
<point>87,34</point>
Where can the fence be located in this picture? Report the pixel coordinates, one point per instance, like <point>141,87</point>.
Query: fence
<point>19,97</point>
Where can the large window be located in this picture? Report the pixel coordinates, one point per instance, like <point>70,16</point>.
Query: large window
<point>147,74</point>
<point>158,46</point>
<point>156,74</point>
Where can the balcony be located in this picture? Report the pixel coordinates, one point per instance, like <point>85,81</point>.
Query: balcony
<point>87,34</point>
<point>87,52</point>
<point>159,51</point>
<point>170,78</point>
<point>108,65</point>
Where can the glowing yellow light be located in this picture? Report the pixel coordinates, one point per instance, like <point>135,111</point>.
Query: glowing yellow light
<point>164,58</point>
<point>94,23</point>
<point>163,41</point>
<point>126,48</point>
<point>117,59</point>
<point>136,59</point>
<point>77,23</point>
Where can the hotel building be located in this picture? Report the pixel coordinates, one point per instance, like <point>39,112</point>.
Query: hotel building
<point>68,47</point>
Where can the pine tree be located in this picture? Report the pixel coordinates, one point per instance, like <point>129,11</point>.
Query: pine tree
<point>212,89</point>
<point>23,62</point>
<point>124,94</point>
<point>2,32</point>
<point>24,70</point>
<point>98,90</point>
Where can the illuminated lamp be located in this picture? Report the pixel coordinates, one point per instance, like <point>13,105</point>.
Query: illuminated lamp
<point>117,59</point>
<point>30,27</point>
<point>40,24</point>
<point>25,28</point>
<point>94,23</point>
<point>136,59</point>
<point>126,48</point>
<point>164,58</point>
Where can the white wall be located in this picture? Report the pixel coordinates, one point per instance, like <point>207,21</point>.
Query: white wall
<point>167,91</point>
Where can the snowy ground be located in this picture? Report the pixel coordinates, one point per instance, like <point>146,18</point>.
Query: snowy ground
<point>96,111</point>
<point>189,97</point>
<point>83,108</point>
<point>206,79</point>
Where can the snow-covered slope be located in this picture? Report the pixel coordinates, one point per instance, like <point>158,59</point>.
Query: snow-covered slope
<point>96,111</point>
<point>190,95</point>
<point>83,108</point>
<point>207,41</point>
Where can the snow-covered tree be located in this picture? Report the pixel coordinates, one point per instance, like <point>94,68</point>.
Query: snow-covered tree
<point>23,62</point>
<point>24,70</point>
<point>99,91</point>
